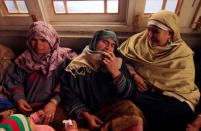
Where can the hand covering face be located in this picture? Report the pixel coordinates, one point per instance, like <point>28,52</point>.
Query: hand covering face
<point>90,58</point>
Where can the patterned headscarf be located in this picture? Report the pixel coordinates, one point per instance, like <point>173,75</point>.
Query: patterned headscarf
<point>31,61</point>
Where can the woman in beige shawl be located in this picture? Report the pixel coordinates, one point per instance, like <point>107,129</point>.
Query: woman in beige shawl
<point>163,73</point>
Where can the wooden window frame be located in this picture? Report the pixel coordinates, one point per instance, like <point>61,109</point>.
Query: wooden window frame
<point>177,9</point>
<point>21,20</point>
<point>123,21</point>
<point>16,6</point>
<point>66,8</point>
<point>86,17</point>
<point>39,8</point>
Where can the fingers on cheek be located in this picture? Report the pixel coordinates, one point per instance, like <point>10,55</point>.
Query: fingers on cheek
<point>110,53</point>
<point>47,119</point>
<point>104,61</point>
<point>52,118</point>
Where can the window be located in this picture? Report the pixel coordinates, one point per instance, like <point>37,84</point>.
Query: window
<point>85,6</point>
<point>70,19</point>
<point>153,6</point>
<point>87,11</point>
<point>67,15</point>
<point>15,6</point>
<point>15,14</point>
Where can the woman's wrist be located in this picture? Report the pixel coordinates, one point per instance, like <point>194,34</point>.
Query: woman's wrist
<point>134,74</point>
<point>85,113</point>
<point>54,101</point>
<point>115,74</point>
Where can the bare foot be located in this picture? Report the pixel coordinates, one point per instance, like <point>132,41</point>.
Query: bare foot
<point>197,122</point>
<point>71,127</point>
<point>191,128</point>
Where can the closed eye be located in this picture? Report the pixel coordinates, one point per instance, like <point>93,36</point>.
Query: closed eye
<point>113,45</point>
<point>106,41</point>
<point>33,39</point>
<point>43,40</point>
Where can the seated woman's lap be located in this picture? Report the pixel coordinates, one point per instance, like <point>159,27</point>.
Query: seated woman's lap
<point>163,112</point>
<point>115,113</point>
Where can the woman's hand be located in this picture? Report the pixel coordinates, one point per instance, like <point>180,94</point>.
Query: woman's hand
<point>23,106</point>
<point>140,83</point>
<point>6,114</point>
<point>192,128</point>
<point>41,114</point>
<point>93,121</point>
<point>49,110</point>
<point>110,62</point>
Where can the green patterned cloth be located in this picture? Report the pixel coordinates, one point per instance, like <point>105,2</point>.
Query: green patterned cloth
<point>16,122</point>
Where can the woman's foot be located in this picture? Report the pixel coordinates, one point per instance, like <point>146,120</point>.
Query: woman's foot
<point>72,127</point>
<point>190,127</point>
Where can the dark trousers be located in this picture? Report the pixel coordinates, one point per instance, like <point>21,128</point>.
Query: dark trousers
<point>163,113</point>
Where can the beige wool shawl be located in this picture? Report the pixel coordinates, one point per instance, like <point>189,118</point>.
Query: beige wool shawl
<point>168,68</point>
<point>88,61</point>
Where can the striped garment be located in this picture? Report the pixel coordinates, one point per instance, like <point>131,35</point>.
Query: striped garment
<point>130,68</point>
<point>16,122</point>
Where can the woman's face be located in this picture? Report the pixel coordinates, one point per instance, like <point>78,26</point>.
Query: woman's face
<point>40,45</point>
<point>106,45</point>
<point>157,36</point>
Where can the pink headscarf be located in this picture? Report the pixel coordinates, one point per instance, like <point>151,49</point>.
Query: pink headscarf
<point>30,61</point>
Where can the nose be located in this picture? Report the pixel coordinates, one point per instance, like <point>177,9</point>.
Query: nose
<point>39,44</point>
<point>109,47</point>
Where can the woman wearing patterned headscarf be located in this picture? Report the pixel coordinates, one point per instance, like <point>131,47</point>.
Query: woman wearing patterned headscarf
<point>93,80</point>
<point>34,77</point>
<point>163,73</point>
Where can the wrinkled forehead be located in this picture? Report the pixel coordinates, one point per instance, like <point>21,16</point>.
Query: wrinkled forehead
<point>158,25</point>
<point>100,35</point>
<point>110,40</point>
<point>38,37</point>
<point>107,35</point>
<point>153,28</point>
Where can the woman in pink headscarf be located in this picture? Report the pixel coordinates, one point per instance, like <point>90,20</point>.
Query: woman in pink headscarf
<point>34,76</point>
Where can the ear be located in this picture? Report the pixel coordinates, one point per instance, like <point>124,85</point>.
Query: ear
<point>171,33</point>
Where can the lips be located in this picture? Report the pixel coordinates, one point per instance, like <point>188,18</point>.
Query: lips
<point>153,40</point>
